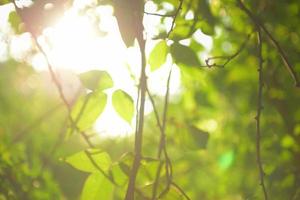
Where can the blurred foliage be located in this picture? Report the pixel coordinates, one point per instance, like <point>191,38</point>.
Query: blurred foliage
<point>210,130</point>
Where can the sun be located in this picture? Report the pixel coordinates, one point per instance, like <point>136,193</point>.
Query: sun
<point>75,43</point>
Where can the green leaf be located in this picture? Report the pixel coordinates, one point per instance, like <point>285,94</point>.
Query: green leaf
<point>97,187</point>
<point>15,21</point>
<point>184,55</point>
<point>96,80</point>
<point>125,162</point>
<point>82,161</point>
<point>207,28</point>
<point>2,2</point>
<point>158,55</point>
<point>197,138</point>
<point>148,171</point>
<point>184,29</point>
<point>161,35</point>
<point>207,19</point>
<point>123,104</point>
<point>119,176</point>
<point>196,46</point>
<point>87,109</point>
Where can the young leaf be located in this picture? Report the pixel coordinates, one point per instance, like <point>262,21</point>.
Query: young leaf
<point>123,104</point>
<point>97,187</point>
<point>158,55</point>
<point>96,80</point>
<point>184,55</point>
<point>81,160</point>
<point>14,21</point>
<point>87,109</point>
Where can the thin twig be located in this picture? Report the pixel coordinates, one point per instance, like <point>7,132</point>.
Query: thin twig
<point>274,42</point>
<point>155,110</point>
<point>163,135</point>
<point>109,177</point>
<point>174,17</point>
<point>159,15</point>
<point>181,190</point>
<point>80,114</point>
<point>162,144</point>
<point>227,58</point>
<point>257,118</point>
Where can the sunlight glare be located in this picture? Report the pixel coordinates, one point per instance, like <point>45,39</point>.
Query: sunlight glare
<point>74,44</point>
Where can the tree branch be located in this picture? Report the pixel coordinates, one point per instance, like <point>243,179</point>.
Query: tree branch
<point>174,17</point>
<point>159,15</point>
<point>257,118</point>
<point>181,191</point>
<point>229,58</point>
<point>274,42</point>
<point>138,142</point>
<point>162,143</point>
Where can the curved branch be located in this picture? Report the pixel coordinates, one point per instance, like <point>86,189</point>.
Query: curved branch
<point>274,42</point>
<point>229,58</point>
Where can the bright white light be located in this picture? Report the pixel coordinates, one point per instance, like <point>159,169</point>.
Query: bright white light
<point>74,44</point>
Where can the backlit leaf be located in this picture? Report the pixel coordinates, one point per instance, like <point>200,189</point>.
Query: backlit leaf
<point>97,187</point>
<point>14,21</point>
<point>119,176</point>
<point>123,104</point>
<point>87,109</point>
<point>125,162</point>
<point>82,161</point>
<point>158,55</point>
<point>96,80</point>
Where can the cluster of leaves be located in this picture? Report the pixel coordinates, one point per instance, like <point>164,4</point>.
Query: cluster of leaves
<point>210,135</point>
